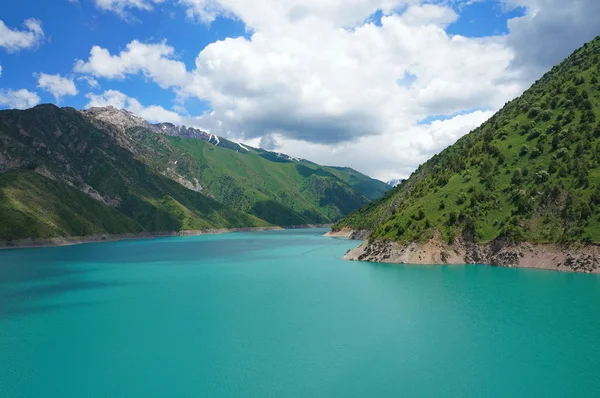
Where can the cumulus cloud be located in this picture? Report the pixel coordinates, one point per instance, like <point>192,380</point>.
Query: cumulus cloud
<point>263,13</point>
<point>389,155</point>
<point>14,39</point>
<point>18,99</point>
<point>320,83</point>
<point>156,61</point>
<point>57,85</point>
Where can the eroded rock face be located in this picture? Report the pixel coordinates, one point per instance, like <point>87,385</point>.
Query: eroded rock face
<point>499,253</point>
<point>119,118</point>
<point>377,250</point>
<point>506,258</point>
<point>585,262</point>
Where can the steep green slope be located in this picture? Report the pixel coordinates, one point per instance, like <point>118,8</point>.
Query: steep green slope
<point>268,185</point>
<point>32,205</point>
<point>63,145</point>
<point>530,173</point>
<point>369,187</point>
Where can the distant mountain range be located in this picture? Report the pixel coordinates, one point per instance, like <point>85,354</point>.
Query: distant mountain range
<point>65,172</point>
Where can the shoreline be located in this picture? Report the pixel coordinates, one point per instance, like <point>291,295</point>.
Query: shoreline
<point>347,233</point>
<point>546,256</point>
<point>78,240</point>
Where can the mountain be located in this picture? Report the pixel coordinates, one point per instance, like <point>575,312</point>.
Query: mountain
<point>272,186</point>
<point>393,183</point>
<point>65,172</point>
<point>526,181</point>
<point>62,176</point>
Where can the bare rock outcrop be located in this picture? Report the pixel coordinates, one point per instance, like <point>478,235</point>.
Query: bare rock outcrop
<point>566,258</point>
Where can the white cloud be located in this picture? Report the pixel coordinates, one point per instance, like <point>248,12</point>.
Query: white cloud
<point>93,83</point>
<point>0,70</point>
<point>153,113</point>
<point>156,61</point>
<point>122,7</point>
<point>263,13</point>
<point>321,83</point>
<point>57,85</point>
<point>14,39</point>
<point>386,156</point>
<point>18,99</point>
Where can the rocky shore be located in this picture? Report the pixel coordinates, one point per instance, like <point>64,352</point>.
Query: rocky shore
<point>349,234</point>
<point>565,258</point>
<point>67,241</point>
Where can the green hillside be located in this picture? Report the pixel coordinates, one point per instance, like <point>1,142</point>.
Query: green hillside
<point>32,205</point>
<point>274,188</point>
<point>67,173</point>
<point>127,194</point>
<point>530,173</point>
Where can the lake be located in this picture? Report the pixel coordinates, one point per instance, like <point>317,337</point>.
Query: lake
<point>280,314</point>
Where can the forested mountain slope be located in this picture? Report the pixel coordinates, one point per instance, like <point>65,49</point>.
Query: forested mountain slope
<point>531,173</point>
<point>69,173</point>
<point>273,186</point>
<point>61,176</point>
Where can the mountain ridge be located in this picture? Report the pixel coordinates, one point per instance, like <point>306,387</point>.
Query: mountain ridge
<point>107,161</point>
<point>273,186</point>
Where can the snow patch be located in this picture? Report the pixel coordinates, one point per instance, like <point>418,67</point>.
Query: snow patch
<point>243,147</point>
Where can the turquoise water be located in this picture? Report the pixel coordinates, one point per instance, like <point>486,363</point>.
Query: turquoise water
<point>279,314</point>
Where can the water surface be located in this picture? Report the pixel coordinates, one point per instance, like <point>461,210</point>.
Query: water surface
<point>279,314</point>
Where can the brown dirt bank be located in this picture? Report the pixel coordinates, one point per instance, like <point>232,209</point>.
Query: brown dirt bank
<point>565,258</point>
<point>75,240</point>
<point>348,234</point>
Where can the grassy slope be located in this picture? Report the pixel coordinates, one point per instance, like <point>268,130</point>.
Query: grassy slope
<point>64,143</point>
<point>32,205</point>
<point>371,188</point>
<point>279,191</point>
<point>530,173</point>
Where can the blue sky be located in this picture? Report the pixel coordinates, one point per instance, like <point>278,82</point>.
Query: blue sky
<point>378,85</point>
<point>72,29</point>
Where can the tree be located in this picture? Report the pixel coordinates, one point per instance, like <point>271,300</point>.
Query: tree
<point>452,218</point>
<point>541,176</point>
<point>517,177</point>
<point>582,177</point>
<point>586,211</point>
